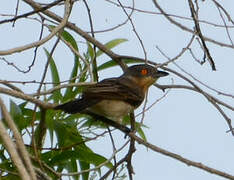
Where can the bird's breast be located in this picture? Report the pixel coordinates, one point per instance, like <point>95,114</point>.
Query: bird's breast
<point>112,109</point>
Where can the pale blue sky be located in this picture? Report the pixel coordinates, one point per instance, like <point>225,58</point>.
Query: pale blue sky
<point>184,122</point>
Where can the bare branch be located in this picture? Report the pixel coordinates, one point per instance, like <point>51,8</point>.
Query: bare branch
<point>17,159</point>
<point>198,31</point>
<point>180,158</point>
<point>44,40</point>
<point>29,98</point>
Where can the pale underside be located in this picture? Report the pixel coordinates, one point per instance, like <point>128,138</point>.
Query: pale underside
<point>112,109</point>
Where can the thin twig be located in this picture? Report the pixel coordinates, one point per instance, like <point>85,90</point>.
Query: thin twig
<point>225,25</point>
<point>21,95</point>
<point>32,12</point>
<point>198,31</point>
<point>47,38</point>
<point>16,12</point>
<point>94,74</point>
<point>185,28</point>
<point>20,146</point>
<point>133,26</point>
<point>85,35</point>
<point>180,158</point>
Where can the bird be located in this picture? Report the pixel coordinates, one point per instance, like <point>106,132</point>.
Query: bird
<point>116,97</point>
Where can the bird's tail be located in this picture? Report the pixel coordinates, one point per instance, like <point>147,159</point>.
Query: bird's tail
<point>72,107</point>
<point>75,106</point>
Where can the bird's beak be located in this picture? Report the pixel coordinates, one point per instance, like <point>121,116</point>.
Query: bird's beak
<point>161,74</point>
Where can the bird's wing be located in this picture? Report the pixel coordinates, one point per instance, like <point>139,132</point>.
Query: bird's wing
<point>115,89</point>
<point>108,89</point>
<point>77,105</point>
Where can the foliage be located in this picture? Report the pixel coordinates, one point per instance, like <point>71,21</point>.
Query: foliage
<point>71,153</point>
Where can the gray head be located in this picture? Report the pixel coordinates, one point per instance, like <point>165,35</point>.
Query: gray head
<point>144,70</point>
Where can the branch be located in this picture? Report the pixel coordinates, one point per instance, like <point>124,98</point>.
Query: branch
<point>187,29</point>
<point>180,158</point>
<point>132,147</point>
<point>44,40</point>
<point>21,95</point>
<point>85,35</point>
<point>198,31</point>
<point>31,13</point>
<point>80,84</point>
<point>10,146</point>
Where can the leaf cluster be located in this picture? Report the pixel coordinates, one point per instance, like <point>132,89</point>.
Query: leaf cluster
<point>67,134</point>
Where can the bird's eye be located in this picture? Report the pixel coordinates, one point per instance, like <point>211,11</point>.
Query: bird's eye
<point>144,72</point>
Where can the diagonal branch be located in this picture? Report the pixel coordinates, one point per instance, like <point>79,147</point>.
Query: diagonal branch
<point>184,28</point>
<point>198,31</point>
<point>23,154</point>
<point>29,98</point>
<point>47,38</point>
<point>85,35</point>
<point>31,13</point>
<point>180,158</point>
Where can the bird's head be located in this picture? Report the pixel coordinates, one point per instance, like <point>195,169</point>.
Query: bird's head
<point>143,75</point>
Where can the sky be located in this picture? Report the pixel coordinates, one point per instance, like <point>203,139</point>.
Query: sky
<point>183,122</point>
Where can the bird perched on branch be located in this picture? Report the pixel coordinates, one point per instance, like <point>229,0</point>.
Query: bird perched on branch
<point>114,98</point>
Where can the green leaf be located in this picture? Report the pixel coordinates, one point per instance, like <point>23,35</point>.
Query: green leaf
<point>50,118</point>
<point>22,105</point>
<point>68,134</point>
<point>138,126</point>
<point>61,133</point>
<point>7,164</point>
<point>14,109</point>
<point>92,158</point>
<point>47,156</point>
<point>17,115</point>
<point>55,78</point>
<point>69,91</point>
<point>111,44</point>
<point>69,38</point>
<point>84,166</point>
<point>72,167</point>
<point>89,122</point>
<point>28,113</point>
<point>11,177</point>
<point>83,78</point>
<point>140,130</point>
<point>112,63</point>
<point>90,51</point>
<point>82,155</point>
<point>93,60</point>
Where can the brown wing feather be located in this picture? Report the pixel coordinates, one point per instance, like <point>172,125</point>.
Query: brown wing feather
<point>114,88</point>
<point>117,89</point>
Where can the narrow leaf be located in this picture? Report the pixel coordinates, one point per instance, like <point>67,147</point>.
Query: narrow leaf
<point>111,44</point>
<point>112,63</point>
<point>84,166</point>
<point>55,78</point>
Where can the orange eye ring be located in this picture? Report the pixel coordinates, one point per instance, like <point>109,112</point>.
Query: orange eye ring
<point>144,72</point>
